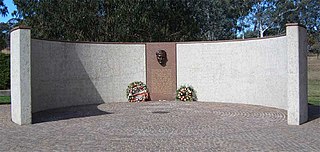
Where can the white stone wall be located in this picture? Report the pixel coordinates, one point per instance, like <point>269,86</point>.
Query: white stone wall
<point>250,71</point>
<point>20,76</point>
<point>68,74</point>
<point>297,74</point>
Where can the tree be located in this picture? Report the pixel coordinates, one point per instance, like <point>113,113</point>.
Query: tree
<point>218,19</point>
<point>109,20</point>
<point>149,21</point>
<point>4,71</point>
<point>242,22</point>
<point>3,9</point>
<point>61,19</point>
<point>315,48</point>
<point>273,15</point>
<point>137,20</point>
<point>310,17</point>
<point>3,34</point>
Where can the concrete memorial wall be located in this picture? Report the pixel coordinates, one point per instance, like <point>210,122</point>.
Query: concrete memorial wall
<point>250,72</point>
<point>268,72</point>
<point>67,74</point>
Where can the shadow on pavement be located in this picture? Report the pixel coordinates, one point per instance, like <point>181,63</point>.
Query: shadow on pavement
<point>68,113</point>
<point>314,112</point>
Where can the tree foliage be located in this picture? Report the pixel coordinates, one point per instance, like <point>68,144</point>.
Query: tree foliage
<point>164,20</point>
<point>4,35</point>
<point>136,20</point>
<point>3,9</point>
<point>4,71</point>
<point>269,17</point>
<point>3,27</point>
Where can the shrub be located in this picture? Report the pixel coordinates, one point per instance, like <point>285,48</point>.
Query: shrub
<point>315,48</point>
<point>4,71</point>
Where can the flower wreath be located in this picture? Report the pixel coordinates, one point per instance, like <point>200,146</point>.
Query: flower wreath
<point>137,92</point>
<point>186,93</point>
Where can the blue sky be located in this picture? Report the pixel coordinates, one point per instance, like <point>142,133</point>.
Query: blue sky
<point>11,8</point>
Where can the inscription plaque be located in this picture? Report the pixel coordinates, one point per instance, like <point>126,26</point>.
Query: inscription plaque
<point>165,84</point>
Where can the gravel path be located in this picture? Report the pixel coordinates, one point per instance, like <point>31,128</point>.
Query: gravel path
<point>160,126</point>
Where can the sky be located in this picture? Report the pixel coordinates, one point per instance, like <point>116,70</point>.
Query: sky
<point>11,8</point>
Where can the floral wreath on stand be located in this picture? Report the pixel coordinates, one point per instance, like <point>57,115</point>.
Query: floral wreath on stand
<point>186,93</point>
<point>137,92</point>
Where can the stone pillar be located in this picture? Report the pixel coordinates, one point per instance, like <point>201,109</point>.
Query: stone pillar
<point>20,47</point>
<point>297,74</point>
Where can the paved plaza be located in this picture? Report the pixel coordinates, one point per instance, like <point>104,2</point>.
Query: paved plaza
<point>161,126</point>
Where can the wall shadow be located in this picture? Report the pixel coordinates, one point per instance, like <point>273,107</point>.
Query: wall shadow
<point>314,112</point>
<point>68,113</point>
<point>62,75</point>
<point>62,81</point>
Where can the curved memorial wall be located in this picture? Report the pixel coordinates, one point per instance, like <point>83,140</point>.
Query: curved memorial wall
<point>67,74</point>
<point>269,72</point>
<point>250,71</point>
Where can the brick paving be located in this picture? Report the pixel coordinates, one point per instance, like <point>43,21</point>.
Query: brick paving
<point>160,126</point>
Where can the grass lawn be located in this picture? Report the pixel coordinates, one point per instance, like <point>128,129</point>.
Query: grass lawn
<point>314,92</point>
<point>314,80</point>
<point>4,99</point>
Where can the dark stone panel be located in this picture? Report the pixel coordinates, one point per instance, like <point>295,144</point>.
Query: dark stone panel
<point>161,78</point>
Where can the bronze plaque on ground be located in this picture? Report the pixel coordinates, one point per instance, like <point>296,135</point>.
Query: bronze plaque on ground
<point>161,70</point>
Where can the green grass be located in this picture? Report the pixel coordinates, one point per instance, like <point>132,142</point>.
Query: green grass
<point>314,92</point>
<point>314,101</point>
<point>4,99</point>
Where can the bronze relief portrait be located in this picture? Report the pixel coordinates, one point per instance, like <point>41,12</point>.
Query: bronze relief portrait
<point>162,57</point>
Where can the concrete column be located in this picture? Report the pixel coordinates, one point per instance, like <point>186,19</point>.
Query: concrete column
<point>297,74</point>
<point>20,47</point>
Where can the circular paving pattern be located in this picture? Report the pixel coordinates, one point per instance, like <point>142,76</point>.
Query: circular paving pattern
<point>160,126</point>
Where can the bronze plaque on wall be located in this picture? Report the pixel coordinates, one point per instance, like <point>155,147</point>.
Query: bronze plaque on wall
<point>161,70</point>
